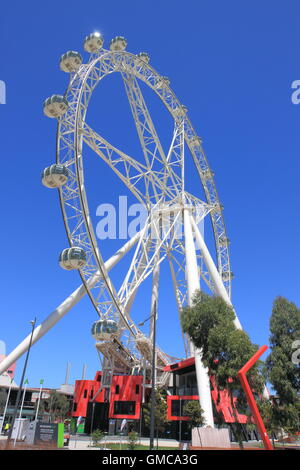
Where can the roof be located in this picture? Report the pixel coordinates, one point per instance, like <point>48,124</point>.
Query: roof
<point>184,366</point>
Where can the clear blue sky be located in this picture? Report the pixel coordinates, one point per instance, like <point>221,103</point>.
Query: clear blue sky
<point>232,64</point>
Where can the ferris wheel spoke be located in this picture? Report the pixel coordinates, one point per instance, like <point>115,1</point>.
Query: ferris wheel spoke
<point>174,170</point>
<point>206,176</point>
<point>145,127</point>
<point>137,177</point>
<point>137,269</point>
<point>144,258</point>
<point>154,155</point>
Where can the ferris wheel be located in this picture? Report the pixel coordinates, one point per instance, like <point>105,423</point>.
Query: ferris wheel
<point>158,182</point>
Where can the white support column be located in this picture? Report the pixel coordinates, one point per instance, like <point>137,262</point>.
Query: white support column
<point>64,308</point>
<point>193,284</point>
<point>212,269</point>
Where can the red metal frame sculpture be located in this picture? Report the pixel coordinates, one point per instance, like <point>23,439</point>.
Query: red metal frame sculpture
<point>250,397</point>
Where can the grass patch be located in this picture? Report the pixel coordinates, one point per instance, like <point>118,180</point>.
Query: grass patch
<point>124,446</point>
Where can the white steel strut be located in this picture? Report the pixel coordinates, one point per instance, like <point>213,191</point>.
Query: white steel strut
<point>193,285</point>
<point>64,308</point>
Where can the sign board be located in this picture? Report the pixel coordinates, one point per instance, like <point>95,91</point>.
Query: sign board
<point>46,433</point>
<point>112,427</point>
<point>20,428</point>
<point>30,434</point>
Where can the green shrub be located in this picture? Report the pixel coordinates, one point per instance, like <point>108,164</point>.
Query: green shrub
<point>97,436</point>
<point>132,440</point>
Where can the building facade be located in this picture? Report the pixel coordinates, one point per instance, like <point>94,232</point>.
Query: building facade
<point>127,396</point>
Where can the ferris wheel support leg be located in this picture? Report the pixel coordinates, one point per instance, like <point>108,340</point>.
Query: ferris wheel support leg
<point>64,307</point>
<point>193,284</point>
<point>214,273</point>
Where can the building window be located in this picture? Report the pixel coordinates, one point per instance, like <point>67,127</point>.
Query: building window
<point>117,389</point>
<point>124,407</point>
<point>177,407</point>
<point>85,393</point>
<point>137,389</point>
<point>75,407</point>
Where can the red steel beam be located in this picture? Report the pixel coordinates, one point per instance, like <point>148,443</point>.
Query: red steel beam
<point>250,397</point>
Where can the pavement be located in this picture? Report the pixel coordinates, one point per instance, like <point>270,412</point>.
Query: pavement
<point>83,442</point>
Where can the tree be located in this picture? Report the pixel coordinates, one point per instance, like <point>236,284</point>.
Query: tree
<point>59,406</point>
<point>283,373</point>
<point>194,412</point>
<point>225,349</point>
<point>3,397</point>
<point>160,414</point>
<point>270,417</point>
<point>132,440</point>
<point>97,437</point>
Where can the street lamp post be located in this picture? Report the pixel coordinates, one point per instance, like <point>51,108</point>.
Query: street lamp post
<point>20,387</point>
<point>153,398</point>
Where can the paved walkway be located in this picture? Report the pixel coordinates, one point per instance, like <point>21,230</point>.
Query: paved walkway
<point>80,442</point>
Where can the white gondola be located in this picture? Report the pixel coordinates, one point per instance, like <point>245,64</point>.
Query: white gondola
<point>118,44</point>
<point>70,61</point>
<point>143,57</point>
<point>55,176</point>
<point>104,330</point>
<point>93,42</point>
<point>72,258</point>
<point>55,106</point>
